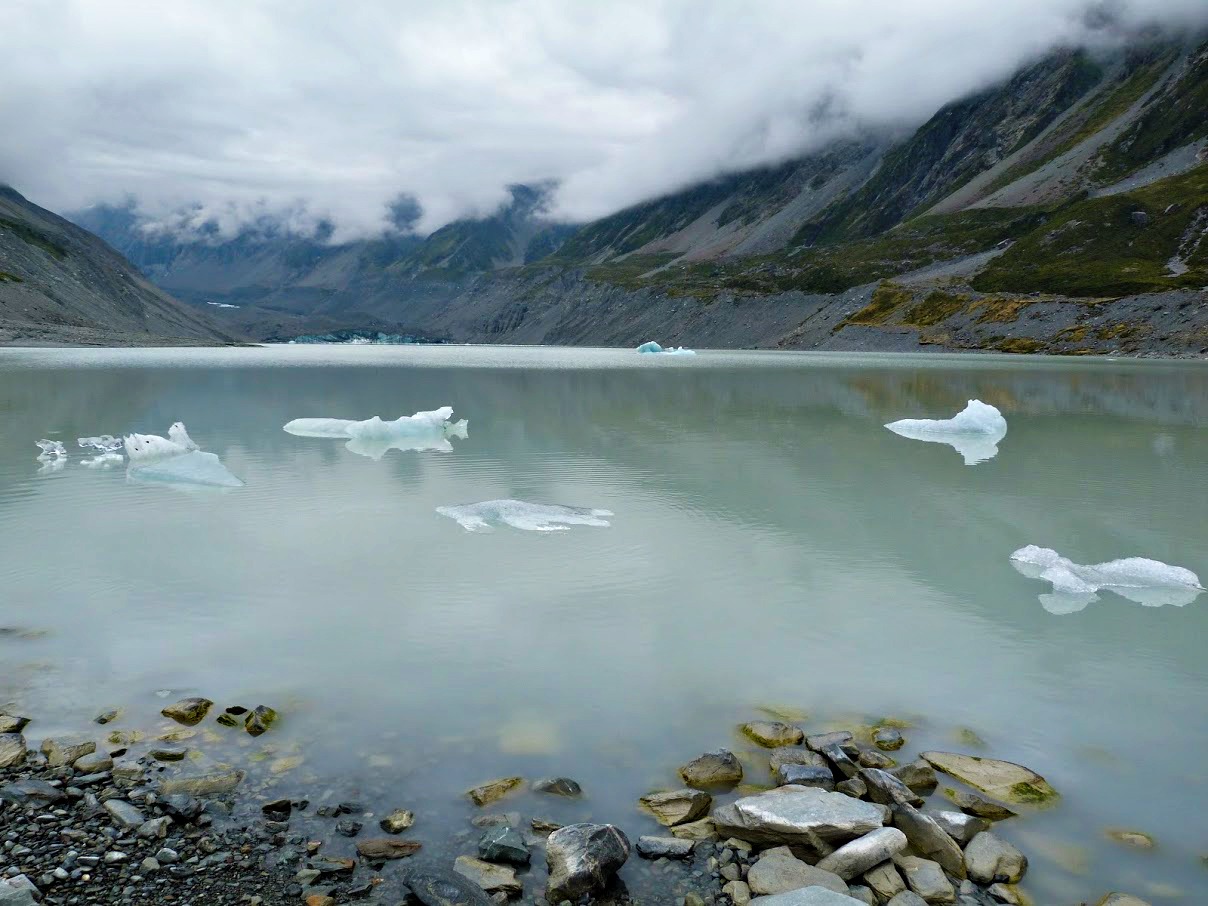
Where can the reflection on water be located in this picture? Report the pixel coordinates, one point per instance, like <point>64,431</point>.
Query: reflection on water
<point>773,545</point>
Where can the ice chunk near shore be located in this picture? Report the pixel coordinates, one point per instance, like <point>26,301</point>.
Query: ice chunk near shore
<point>529,517</point>
<point>372,437</point>
<point>1150,583</point>
<point>974,432</point>
<point>653,347</point>
<point>105,443</point>
<point>175,459</point>
<point>51,449</point>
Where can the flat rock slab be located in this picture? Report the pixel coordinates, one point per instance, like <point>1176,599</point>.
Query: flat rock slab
<point>494,790</point>
<point>807,896</point>
<point>490,878</point>
<point>677,806</point>
<point>382,849</point>
<point>1001,779</point>
<point>772,733</point>
<point>797,815</point>
<point>779,871</point>
<point>436,887</point>
<point>214,783</point>
<point>665,848</point>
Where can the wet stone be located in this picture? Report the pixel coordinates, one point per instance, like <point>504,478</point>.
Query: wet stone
<point>772,733</point>
<point>494,790</point>
<point>978,805</point>
<point>806,775</point>
<point>63,751</point>
<point>677,806</point>
<point>712,769</point>
<point>437,887</point>
<point>888,739</point>
<point>382,849</point>
<point>259,720</point>
<point>397,821</point>
<point>188,711</point>
<point>124,814</point>
<point>503,844</point>
<point>348,828</point>
<point>11,723</point>
<point>558,786</point>
<point>665,848</point>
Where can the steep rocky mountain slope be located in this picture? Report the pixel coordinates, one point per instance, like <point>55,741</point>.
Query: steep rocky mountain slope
<point>1064,210</point>
<point>61,284</point>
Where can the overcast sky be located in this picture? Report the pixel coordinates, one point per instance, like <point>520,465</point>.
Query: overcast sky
<point>308,110</point>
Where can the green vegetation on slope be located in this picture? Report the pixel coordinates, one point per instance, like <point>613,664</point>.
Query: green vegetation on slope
<point>33,237</point>
<point>1112,246</point>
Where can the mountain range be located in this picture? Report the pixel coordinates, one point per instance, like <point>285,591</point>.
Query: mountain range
<point>1064,210</point>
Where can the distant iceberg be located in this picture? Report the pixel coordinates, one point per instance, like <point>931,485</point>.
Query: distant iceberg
<point>1150,583</point>
<point>529,517</point>
<point>653,347</point>
<point>974,432</point>
<point>175,459</point>
<point>372,437</point>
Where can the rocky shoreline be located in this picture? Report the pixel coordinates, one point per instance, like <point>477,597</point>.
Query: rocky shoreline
<point>119,816</point>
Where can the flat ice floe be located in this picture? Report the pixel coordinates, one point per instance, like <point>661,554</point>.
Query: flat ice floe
<point>175,459</point>
<point>974,432</point>
<point>372,437</point>
<point>103,461</point>
<point>51,449</point>
<point>1150,583</point>
<point>529,517</point>
<point>653,347</point>
<point>105,443</point>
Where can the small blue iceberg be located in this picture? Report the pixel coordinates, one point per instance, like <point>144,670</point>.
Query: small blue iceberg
<point>656,348</point>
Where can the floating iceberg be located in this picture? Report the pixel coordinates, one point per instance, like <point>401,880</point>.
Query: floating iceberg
<point>530,517</point>
<point>974,432</point>
<point>373,437</point>
<point>106,443</point>
<point>656,348</point>
<point>175,459</point>
<point>1150,583</point>
<point>103,461</point>
<point>51,449</point>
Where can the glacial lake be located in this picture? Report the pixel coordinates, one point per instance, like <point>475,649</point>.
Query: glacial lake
<point>772,546</point>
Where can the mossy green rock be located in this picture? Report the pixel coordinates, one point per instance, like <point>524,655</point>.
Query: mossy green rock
<point>1002,779</point>
<point>188,711</point>
<point>494,790</point>
<point>259,720</point>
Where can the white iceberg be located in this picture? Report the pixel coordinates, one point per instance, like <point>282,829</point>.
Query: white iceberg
<point>175,459</point>
<point>372,437</point>
<point>51,449</point>
<point>51,464</point>
<point>653,347</point>
<point>105,443</point>
<point>529,517</point>
<point>103,461</point>
<point>974,432</point>
<point>1149,583</point>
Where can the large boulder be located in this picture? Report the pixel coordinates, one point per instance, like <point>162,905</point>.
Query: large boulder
<point>30,791</point>
<point>12,749</point>
<point>1001,779</point>
<point>807,896</point>
<point>795,755</point>
<point>885,881</point>
<point>928,839</point>
<point>991,858</point>
<point>918,775</point>
<point>960,827</point>
<point>926,879</point>
<point>866,852</point>
<point>797,815</point>
<point>677,806</point>
<point>779,871</point>
<point>772,733</point>
<point>66,750</point>
<point>885,789</point>
<point>11,723</point>
<point>582,858</point>
<point>503,844</point>
<point>491,878</point>
<point>713,769</point>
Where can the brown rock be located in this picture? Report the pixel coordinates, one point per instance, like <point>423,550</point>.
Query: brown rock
<point>380,849</point>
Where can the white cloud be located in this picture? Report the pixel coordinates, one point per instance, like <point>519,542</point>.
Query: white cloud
<point>314,110</point>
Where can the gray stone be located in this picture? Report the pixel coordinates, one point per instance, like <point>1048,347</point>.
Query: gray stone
<point>794,755</point>
<point>887,739</point>
<point>677,806</point>
<point>991,858</point>
<point>11,723</point>
<point>1139,218</point>
<point>155,829</point>
<point>926,878</point>
<point>167,856</point>
<point>863,894</point>
<point>167,752</point>
<point>148,865</point>
<point>798,815</point>
<point>928,839</point>
<point>885,880</point>
<point>772,733</point>
<point>860,855</point>
<point>806,775</point>
<point>214,783</point>
<point>436,887</point>
<point>128,769</point>
<point>30,791</point>
<point>871,758</point>
<point>918,775</point>
<point>886,789</point>
<point>490,878</point>
<point>188,711</point>
<point>386,849</point>
<point>738,892</point>
<point>978,805</point>
<point>397,821</point>
<point>704,829</point>
<point>665,848</point>
<point>1001,779</point>
<point>93,763</point>
<point>855,787</point>
<point>493,790</point>
<point>124,814</point>
<point>907,898</point>
<point>960,827</point>
<point>16,896</point>
<point>806,896</point>
<point>503,844</point>
<point>108,716</point>
<point>841,738</point>
<point>779,871</point>
<point>713,769</point>
<point>582,858</point>
<point>558,786</point>
<point>66,750</point>
<point>1005,893</point>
